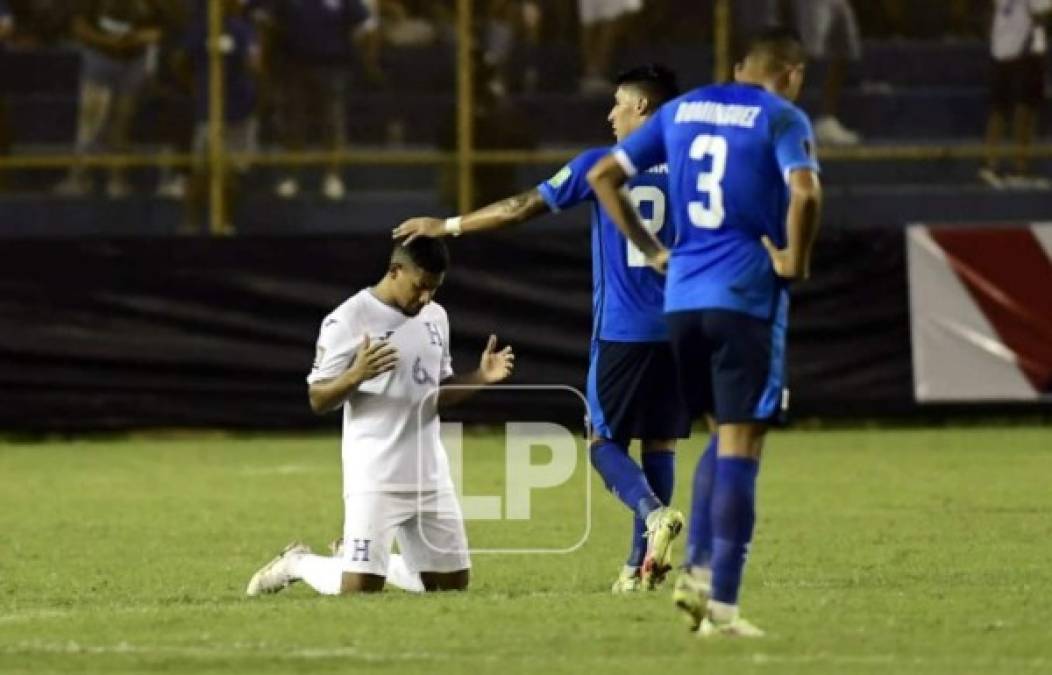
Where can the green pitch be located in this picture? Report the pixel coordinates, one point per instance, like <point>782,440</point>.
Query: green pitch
<point>876,552</point>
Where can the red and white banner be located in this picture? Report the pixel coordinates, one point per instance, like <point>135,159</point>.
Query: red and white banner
<point>981,312</point>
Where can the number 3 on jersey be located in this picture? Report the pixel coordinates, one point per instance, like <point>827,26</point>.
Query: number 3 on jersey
<point>642,194</point>
<point>710,217</point>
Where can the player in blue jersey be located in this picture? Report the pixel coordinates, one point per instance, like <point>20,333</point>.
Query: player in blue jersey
<point>632,391</point>
<point>745,201</point>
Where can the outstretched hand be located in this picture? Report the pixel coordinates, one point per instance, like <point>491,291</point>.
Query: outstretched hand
<point>494,365</point>
<point>419,227</point>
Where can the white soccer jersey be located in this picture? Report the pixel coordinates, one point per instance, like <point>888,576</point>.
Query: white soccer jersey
<point>1015,32</point>
<point>390,425</point>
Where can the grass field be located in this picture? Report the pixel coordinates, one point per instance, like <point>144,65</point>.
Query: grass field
<point>877,551</point>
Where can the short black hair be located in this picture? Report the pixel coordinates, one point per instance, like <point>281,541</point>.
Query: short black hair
<point>657,82</point>
<point>427,253</point>
<point>779,46</point>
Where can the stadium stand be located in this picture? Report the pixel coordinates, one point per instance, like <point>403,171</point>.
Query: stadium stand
<point>906,91</point>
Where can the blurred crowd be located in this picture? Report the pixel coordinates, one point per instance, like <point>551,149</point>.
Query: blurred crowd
<point>286,64</point>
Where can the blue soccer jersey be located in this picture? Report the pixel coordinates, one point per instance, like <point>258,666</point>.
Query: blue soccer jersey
<point>627,295</point>
<point>729,150</point>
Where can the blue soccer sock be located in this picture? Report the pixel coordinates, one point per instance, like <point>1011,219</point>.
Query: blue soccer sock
<point>624,478</point>
<point>699,528</point>
<point>733,516</point>
<point>659,467</point>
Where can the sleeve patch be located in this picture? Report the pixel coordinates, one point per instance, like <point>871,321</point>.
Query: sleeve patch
<point>560,178</point>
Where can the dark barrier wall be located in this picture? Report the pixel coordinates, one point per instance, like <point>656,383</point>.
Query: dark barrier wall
<point>110,334</point>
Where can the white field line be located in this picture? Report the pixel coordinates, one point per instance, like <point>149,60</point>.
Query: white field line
<point>33,615</point>
<point>254,650</point>
<point>237,649</point>
<point>283,469</point>
<point>251,605</point>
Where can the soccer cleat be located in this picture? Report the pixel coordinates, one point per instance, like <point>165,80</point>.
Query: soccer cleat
<point>275,575</point>
<point>691,594</point>
<point>736,627</point>
<point>656,577</point>
<point>663,526</point>
<point>628,581</point>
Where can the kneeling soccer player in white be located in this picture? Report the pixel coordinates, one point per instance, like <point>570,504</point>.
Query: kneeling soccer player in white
<point>381,355</point>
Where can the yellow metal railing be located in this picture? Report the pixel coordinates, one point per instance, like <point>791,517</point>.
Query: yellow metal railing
<point>721,41</point>
<point>216,145</point>
<point>465,106</point>
<point>465,156</point>
<point>862,153</point>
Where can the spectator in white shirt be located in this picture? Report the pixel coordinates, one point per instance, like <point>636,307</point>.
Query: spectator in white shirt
<point>1018,45</point>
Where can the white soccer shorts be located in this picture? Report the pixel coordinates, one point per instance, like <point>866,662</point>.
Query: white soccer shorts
<point>428,526</point>
<point>594,11</point>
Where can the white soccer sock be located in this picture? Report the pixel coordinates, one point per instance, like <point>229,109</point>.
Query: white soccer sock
<point>325,575</point>
<point>721,612</point>
<point>321,573</point>
<point>702,574</point>
<point>399,574</point>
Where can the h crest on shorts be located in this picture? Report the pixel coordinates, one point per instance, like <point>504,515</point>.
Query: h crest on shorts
<point>360,550</point>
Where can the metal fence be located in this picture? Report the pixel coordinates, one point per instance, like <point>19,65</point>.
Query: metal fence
<point>465,156</point>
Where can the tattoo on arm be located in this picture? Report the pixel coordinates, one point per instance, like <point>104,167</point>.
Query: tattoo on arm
<point>523,206</point>
<point>510,211</point>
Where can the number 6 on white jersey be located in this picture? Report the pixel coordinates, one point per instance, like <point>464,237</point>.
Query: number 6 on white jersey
<point>641,194</point>
<point>709,181</point>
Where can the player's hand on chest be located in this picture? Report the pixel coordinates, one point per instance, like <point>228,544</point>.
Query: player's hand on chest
<point>420,344</point>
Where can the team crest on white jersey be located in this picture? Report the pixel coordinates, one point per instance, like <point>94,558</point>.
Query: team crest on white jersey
<point>433,333</point>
